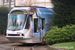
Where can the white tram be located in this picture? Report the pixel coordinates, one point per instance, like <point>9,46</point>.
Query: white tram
<point>28,24</point>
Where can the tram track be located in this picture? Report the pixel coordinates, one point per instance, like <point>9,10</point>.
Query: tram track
<point>24,48</point>
<point>5,45</point>
<point>32,47</point>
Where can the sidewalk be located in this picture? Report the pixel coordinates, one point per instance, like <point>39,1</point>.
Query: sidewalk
<point>55,48</point>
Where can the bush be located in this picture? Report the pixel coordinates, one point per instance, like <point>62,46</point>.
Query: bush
<point>3,18</point>
<point>58,35</point>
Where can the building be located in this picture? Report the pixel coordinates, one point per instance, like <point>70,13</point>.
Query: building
<point>43,3</point>
<point>22,2</point>
<point>6,3</point>
<point>1,2</point>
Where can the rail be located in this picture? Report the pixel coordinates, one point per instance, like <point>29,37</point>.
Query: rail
<point>31,48</point>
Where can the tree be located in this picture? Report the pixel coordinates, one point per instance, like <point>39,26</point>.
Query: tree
<point>3,18</point>
<point>64,12</point>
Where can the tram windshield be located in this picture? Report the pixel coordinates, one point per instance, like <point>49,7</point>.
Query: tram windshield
<point>16,21</point>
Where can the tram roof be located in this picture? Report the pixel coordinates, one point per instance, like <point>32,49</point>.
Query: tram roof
<point>31,6</point>
<point>37,7</point>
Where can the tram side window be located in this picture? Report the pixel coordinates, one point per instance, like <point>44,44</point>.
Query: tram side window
<point>27,23</point>
<point>43,23</point>
<point>35,25</point>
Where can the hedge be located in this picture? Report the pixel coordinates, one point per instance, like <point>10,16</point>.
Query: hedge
<point>58,35</point>
<point>3,19</point>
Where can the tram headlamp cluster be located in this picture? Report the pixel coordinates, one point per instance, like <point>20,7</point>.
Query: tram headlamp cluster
<point>15,35</point>
<point>20,34</point>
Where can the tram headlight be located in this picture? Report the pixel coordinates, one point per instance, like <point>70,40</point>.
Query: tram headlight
<point>7,34</point>
<point>21,34</point>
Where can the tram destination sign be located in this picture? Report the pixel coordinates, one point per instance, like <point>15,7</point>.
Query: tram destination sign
<point>17,12</point>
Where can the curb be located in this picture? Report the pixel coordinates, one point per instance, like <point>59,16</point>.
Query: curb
<point>55,48</point>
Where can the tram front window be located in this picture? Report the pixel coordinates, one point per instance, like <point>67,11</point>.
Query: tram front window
<point>16,21</point>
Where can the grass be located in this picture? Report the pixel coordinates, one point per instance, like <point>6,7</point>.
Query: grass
<point>66,45</point>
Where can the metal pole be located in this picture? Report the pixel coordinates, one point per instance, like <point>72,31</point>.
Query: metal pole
<point>10,4</point>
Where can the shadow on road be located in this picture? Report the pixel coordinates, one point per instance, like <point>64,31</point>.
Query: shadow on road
<point>30,45</point>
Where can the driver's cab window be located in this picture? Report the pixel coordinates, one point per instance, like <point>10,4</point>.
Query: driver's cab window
<point>27,23</point>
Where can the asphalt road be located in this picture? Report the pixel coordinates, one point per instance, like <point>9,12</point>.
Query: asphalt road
<point>5,45</point>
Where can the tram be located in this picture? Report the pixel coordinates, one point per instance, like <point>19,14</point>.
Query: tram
<point>28,24</point>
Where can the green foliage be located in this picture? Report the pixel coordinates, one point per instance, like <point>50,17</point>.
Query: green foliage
<point>65,12</point>
<point>3,18</point>
<point>57,35</point>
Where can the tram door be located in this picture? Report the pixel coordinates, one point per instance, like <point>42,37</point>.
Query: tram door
<point>36,29</point>
<point>35,25</point>
<point>43,27</point>
<point>39,28</point>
